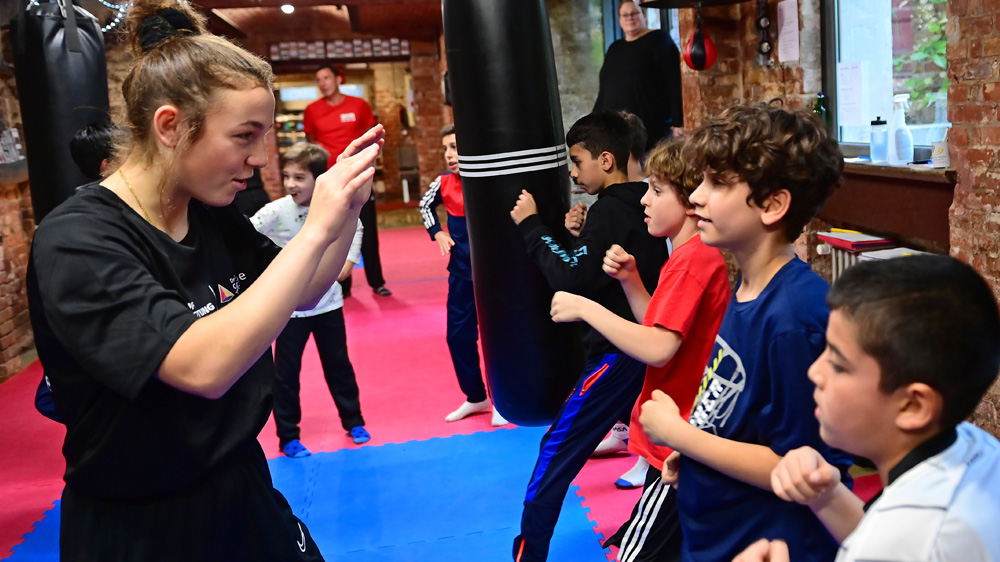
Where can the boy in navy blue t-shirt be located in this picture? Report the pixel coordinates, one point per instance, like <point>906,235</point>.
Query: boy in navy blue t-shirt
<point>767,172</point>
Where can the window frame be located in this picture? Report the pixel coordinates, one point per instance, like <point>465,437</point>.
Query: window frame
<point>829,54</point>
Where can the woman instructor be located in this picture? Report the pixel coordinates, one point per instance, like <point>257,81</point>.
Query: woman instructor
<point>154,303</point>
<point>642,75</point>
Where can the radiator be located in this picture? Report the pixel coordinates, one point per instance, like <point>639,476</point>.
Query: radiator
<point>842,259</point>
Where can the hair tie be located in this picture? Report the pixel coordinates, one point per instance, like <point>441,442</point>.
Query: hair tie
<point>164,24</point>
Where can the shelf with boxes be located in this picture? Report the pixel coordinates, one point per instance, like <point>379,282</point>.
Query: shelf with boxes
<point>288,130</point>
<point>340,49</point>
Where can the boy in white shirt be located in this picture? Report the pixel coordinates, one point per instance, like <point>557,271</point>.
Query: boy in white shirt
<point>280,221</point>
<point>913,343</point>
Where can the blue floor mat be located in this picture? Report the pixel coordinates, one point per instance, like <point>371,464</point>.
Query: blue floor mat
<point>443,499</point>
<point>439,499</point>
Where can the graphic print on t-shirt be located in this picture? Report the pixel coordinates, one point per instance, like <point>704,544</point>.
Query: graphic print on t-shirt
<point>720,389</point>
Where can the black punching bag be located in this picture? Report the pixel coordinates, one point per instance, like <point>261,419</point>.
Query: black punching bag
<point>62,83</point>
<point>509,127</point>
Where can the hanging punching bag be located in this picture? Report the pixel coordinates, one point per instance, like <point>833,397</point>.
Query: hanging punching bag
<point>509,127</point>
<point>699,53</point>
<point>62,82</point>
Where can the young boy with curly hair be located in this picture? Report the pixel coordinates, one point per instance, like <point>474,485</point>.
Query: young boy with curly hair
<point>767,172</point>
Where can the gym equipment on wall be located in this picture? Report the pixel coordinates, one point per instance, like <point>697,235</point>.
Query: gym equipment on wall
<point>62,81</point>
<point>508,122</point>
<point>699,53</point>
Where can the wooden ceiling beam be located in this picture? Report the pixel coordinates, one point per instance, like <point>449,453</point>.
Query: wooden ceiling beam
<point>221,25</point>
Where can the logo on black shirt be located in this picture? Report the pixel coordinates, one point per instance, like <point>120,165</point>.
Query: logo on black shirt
<point>225,295</point>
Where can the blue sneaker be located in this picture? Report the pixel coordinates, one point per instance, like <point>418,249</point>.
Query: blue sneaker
<point>359,434</point>
<point>295,449</point>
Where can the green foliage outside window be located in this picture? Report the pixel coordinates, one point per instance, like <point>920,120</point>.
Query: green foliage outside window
<point>927,63</point>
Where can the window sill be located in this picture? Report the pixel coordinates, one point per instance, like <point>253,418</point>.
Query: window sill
<point>936,175</point>
<point>894,201</point>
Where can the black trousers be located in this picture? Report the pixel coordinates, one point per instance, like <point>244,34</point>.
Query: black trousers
<point>331,342</point>
<point>369,250</point>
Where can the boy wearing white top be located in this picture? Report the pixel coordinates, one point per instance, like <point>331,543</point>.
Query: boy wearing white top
<point>280,221</point>
<point>913,343</point>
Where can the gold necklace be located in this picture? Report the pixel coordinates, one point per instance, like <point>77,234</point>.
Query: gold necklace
<point>132,191</point>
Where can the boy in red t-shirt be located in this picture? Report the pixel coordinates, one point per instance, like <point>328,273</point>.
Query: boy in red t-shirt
<point>680,322</point>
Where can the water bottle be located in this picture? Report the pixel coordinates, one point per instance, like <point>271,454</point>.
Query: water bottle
<point>900,137</point>
<point>880,140</point>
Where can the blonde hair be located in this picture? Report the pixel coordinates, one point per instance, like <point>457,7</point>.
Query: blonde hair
<point>179,63</point>
<point>666,162</point>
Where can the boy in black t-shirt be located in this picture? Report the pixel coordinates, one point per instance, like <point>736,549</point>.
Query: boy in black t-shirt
<point>611,381</point>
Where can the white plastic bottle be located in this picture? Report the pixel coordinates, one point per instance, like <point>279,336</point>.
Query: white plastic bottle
<point>900,137</point>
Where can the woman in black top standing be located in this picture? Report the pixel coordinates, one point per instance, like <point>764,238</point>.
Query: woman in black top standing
<point>154,303</point>
<point>642,75</point>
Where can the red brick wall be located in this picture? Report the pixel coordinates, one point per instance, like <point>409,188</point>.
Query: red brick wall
<point>973,45</point>
<point>426,67</point>
<point>16,230</point>
<point>737,75</point>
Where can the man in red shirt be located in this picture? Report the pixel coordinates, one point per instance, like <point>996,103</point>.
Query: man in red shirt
<point>333,121</point>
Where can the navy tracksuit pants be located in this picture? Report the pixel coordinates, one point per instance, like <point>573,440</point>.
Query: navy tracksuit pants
<point>605,393</point>
<point>463,338</point>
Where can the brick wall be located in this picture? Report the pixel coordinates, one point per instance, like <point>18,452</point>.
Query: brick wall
<point>737,73</point>
<point>973,50</point>
<point>16,230</point>
<point>578,56</point>
<point>427,63</point>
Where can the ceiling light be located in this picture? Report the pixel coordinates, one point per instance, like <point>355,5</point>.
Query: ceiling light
<point>287,8</point>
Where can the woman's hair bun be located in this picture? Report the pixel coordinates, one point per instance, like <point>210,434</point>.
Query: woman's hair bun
<point>164,24</point>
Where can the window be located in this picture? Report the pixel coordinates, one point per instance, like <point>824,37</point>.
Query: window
<point>878,49</point>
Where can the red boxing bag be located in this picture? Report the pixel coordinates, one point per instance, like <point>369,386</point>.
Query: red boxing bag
<point>62,81</point>
<point>509,127</point>
<point>699,53</point>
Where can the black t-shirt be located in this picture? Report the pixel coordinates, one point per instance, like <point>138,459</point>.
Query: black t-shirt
<point>109,296</point>
<point>644,77</point>
<point>617,217</point>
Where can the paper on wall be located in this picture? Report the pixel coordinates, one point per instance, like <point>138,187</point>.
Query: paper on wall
<point>788,30</point>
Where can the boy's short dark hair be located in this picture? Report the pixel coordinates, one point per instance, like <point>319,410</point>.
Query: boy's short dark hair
<point>666,161</point>
<point>311,156</point>
<point>602,131</point>
<point>92,145</point>
<point>637,135</point>
<point>929,319</point>
<point>772,149</point>
<point>448,129</point>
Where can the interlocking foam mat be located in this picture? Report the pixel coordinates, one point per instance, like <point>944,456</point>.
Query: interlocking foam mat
<point>442,499</point>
